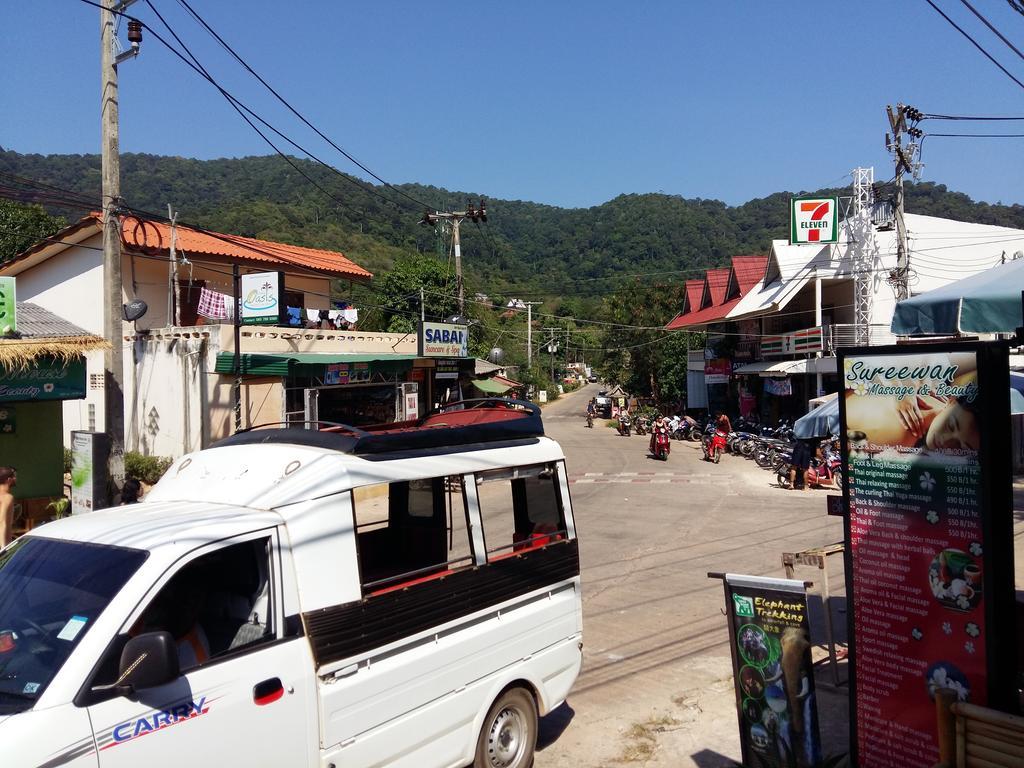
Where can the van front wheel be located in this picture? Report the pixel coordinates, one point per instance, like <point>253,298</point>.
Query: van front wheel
<point>509,733</point>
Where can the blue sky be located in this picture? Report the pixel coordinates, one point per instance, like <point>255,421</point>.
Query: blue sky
<point>565,103</point>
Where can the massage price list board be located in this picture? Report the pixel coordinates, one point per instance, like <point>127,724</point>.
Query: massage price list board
<point>916,548</point>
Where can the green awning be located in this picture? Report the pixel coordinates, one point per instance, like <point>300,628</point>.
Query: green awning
<point>287,363</point>
<point>490,387</point>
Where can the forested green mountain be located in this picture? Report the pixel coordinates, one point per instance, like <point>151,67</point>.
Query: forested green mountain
<point>524,249</point>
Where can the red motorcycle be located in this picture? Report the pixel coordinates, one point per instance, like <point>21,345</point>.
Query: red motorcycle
<point>714,445</point>
<point>661,445</point>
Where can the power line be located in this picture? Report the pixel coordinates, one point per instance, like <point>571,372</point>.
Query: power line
<point>995,31</point>
<point>930,116</point>
<point>239,106</point>
<point>977,135</point>
<point>292,109</point>
<point>975,43</point>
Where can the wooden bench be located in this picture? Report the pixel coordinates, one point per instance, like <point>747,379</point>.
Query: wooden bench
<point>977,737</point>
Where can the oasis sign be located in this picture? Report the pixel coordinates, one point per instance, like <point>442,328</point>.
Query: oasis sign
<point>813,220</point>
<point>262,298</point>
<point>443,340</point>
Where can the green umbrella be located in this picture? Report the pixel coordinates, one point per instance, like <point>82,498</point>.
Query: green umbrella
<point>989,302</point>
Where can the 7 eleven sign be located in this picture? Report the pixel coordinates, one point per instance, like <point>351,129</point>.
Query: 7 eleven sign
<point>813,220</point>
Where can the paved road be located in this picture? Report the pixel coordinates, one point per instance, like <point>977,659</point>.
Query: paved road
<point>655,689</point>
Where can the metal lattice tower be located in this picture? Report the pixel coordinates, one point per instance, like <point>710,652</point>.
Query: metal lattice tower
<point>862,250</point>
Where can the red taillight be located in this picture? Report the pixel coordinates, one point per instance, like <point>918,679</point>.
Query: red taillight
<point>7,643</point>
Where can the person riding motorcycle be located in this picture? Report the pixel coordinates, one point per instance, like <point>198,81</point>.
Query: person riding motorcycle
<point>659,424</point>
<point>591,411</point>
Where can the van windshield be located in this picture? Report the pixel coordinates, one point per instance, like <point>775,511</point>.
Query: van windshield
<point>51,593</point>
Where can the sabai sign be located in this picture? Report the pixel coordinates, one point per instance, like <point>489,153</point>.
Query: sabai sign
<point>443,340</point>
<point>262,298</point>
<point>814,220</point>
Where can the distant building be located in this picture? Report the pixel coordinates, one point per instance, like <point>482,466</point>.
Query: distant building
<point>777,320</point>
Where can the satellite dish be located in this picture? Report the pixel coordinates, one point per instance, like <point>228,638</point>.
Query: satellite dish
<point>134,309</point>
<point>496,355</point>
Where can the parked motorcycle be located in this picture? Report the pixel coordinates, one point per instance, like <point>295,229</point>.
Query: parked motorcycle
<point>642,425</point>
<point>624,424</point>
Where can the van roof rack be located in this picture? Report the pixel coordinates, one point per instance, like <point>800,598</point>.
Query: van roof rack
<point>483,420</point>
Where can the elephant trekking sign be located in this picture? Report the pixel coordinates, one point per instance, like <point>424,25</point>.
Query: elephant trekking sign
<point>770,638</point>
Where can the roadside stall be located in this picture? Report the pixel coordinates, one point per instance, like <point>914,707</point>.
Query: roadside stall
<point>42,365</point>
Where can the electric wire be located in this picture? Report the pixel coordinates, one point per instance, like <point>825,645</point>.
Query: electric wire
<point>974,42</point>
<point>292,109</point>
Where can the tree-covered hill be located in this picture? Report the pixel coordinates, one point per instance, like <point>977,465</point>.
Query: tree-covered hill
<point>524,249</point>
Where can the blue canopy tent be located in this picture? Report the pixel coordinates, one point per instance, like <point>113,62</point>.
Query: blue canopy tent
<point>823,421</point>
<point>989,302</point>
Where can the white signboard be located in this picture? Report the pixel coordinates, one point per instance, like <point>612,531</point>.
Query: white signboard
<point>261,298</point>
<point>444,340</point>
<point>814,220</point>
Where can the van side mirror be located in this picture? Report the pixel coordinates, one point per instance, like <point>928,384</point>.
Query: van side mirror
<point>147,661</point>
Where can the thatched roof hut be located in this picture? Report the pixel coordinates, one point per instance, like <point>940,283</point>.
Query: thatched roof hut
<point>43,334</point>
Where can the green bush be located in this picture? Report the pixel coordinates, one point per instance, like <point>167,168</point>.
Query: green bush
<point>145,469</point>
<point>67,461</point>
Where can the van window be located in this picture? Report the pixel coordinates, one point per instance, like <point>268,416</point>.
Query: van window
<point>216,604</point>
<point>410,531</point>
<point>521,508</point>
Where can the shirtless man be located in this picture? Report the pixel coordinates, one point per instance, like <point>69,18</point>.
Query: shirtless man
<point>8,479</point>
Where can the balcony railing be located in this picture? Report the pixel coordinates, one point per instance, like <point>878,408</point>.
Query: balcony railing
<point>845,335</point>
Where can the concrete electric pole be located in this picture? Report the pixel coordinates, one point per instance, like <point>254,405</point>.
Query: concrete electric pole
<point>113,358</point>
<point>904,157</point>
<point>455,218</point>
<point>529,331</point>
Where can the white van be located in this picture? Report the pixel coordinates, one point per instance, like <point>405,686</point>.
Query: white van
<point>403,596</point>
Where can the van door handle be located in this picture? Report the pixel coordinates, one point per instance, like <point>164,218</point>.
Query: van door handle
<point>267,692</point>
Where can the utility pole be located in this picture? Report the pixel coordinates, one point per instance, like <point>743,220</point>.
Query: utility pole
<point>552,346</point>
<point>173,266</point>
<point>904,157</point>
<point>113,357</point>
<point>529,331</point>
<point>455,218</point>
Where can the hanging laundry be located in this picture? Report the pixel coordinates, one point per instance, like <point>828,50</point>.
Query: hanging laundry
<point>350,315</point>
<point>294,316</point>
<point>212,305</point>
<point>312,315</point>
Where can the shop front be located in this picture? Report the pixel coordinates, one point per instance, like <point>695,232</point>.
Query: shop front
<point>31,430</point>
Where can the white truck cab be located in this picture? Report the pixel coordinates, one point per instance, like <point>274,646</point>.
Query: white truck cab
<point>401,596</point>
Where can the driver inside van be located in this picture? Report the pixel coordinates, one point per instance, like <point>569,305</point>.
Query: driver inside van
<point>176,610</point>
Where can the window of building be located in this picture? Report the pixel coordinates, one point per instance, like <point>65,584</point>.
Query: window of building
<point>189,292</point>
<point>521,509</point>
<point>410,531</point>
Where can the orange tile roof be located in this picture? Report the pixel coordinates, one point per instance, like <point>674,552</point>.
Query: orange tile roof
<point>149,236</point>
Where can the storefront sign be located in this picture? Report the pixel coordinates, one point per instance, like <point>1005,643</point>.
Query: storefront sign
<point>443,340</point>
<point>814,220</point>
<point>89,454</point>
<point>347,373</point>
<point>929,542</point>
<point>806,340</point>
<point>8,305</point>
<point>263,298</point>
<point>717,371</point>
<point>770,638</point>
<point>447,369</point>
<point>47,379</point>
